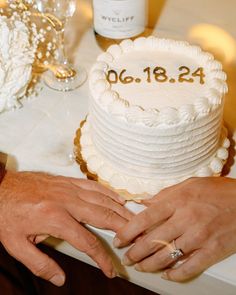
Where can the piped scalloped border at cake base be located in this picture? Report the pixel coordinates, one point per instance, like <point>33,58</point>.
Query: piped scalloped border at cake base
<point>94,167</point>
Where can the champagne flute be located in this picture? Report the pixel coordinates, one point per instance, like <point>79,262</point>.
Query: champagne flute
<point>62,76</point>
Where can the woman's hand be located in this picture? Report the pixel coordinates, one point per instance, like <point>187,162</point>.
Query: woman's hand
<point>34,206</point>
<point>199,214</point>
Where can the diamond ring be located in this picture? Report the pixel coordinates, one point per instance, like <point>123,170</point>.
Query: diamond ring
<point>176,253</point>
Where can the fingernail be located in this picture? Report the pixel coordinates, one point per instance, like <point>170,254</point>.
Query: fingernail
<point>164,276</point>
<point>126,261</point>
<point>116,242</point>
<point>138,267</point>
<point>58,280</point>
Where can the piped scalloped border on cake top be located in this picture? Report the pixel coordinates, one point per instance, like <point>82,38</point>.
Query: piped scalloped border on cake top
<point>110,100</point>
<point>98,165</point>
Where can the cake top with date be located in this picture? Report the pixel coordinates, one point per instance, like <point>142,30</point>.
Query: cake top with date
<point>166,80</point>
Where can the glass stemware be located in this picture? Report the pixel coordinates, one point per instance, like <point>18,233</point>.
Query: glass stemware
<point>61,76</point>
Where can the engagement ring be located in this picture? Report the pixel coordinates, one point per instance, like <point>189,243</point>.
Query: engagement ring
<point>177,253</point>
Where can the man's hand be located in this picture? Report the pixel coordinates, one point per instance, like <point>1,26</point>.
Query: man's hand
<point>199,214</point>
<point>34,206</point>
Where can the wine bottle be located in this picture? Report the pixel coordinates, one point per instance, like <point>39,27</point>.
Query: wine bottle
<point>115,20</point>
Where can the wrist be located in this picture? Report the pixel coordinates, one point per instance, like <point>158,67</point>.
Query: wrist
<point>3,162</point>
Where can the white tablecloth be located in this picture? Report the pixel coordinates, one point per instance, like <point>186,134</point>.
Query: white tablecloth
<point>40,136</point>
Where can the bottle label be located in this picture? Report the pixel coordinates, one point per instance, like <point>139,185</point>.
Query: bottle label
<point>119,19</point>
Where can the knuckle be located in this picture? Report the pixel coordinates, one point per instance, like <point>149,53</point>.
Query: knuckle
<point>218,246</point>
<point>186,193</point>
<point>196,185</point>
<point>186,187</point>
<point>180,202</point>
<point>122,235</point>
<point>145,217</point>
<point>46,207</point>
<point>202,235</point>
<point>109,215</point>
<point>49,209</point>
<point>93,244</point>
<point>103,200</point>
<point>42,270</point>
<point>192,215</point>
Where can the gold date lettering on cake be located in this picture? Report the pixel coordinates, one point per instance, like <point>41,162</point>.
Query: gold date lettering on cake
<point>185,74</point>
<point>184,77</point>
<point>158,74</point>
<point>113,77</point>
<point>200,73</point>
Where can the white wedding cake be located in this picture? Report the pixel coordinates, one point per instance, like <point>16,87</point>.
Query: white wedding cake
<point>156,116</point>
